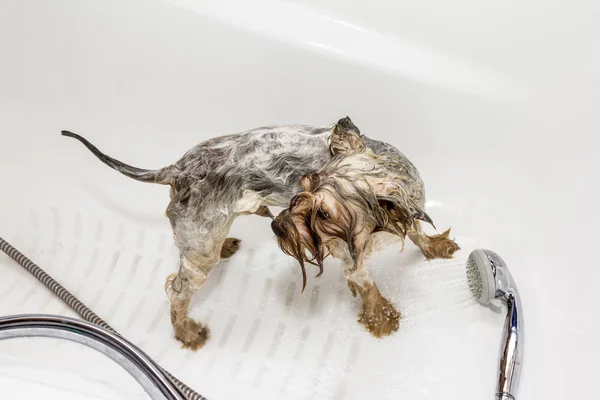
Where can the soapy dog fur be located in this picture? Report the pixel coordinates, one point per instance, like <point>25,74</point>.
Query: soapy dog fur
<point>358,202</point>
<point>226,177</point>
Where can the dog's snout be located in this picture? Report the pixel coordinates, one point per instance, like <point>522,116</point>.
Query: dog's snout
<point>276,228</point>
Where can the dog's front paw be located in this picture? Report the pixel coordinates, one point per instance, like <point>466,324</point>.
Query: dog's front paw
<point>382,319</point>
<point>440,246</point>
<point>192,334</point>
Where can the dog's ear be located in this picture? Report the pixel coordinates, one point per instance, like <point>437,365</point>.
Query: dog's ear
<point>346,138</point>
<point>310,182</point>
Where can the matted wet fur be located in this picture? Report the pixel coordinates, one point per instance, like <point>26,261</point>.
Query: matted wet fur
<point>223,178</point>
<point>345,208</point>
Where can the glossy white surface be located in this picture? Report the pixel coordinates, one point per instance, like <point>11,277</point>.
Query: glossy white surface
<point>495,104</point>
<point>45,368</point>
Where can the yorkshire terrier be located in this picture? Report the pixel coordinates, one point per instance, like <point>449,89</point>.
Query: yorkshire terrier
<point>362,199</point>
<point>357,196</point>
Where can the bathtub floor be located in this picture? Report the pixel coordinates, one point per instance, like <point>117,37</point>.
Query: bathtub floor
<point>496,105</point>
<point>268,340</point>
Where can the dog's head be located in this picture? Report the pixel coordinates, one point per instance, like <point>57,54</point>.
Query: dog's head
<point>313,219</point>
<point>333,209</point>
<point>295,235</point>
<point>340,202</point>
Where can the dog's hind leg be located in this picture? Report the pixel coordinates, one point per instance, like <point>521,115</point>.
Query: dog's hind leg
<point>200,238</point>
<point>435,246</point>
<point>232,245</point>
<point>180,288</point>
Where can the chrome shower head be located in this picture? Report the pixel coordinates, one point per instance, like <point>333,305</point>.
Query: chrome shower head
<point>489,279</point>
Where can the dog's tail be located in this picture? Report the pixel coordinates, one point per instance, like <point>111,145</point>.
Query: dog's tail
<point>162,176</point>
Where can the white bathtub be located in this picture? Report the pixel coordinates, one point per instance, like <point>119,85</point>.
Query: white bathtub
<point>496,104</point>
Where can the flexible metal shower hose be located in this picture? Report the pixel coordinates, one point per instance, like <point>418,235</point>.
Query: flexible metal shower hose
<point>78,306</point>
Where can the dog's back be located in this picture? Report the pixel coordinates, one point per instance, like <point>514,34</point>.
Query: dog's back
<point>270,160</point>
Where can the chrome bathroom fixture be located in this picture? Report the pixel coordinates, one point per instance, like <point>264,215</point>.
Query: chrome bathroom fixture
<point>95,333</point>
<point>489,279</point>
<point>148,374</point>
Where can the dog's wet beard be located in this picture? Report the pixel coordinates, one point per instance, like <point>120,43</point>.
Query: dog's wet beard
<point>306,231</point>
<point>304,248</point>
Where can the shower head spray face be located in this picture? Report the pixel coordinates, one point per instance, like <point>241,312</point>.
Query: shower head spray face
<point>481,276</point>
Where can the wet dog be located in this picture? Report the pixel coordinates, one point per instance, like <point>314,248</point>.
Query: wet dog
<point>362,199</point>
<point>226,177</point>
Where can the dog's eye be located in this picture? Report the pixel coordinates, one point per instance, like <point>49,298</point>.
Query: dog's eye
<point>322,213</point>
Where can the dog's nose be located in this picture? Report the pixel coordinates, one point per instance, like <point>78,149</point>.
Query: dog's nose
<point>276,229</point>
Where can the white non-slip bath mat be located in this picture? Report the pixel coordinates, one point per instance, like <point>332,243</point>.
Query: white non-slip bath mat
<point>268,340</point>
